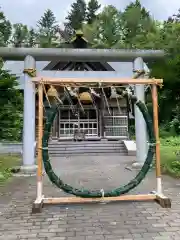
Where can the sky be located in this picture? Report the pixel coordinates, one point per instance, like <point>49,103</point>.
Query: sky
<point>29,11</point>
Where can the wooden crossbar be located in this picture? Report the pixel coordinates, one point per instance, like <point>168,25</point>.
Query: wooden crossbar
<point>162,200</point>
<point>115,81</point>
<point>66,200</point>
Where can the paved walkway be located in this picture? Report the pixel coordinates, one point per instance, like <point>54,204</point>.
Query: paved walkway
<point>128,220</point>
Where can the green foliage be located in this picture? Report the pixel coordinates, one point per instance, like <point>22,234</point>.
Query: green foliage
<point>76,16</point>
<point>32,38</point>
<point>169,95</point>
<point>137,23</point>
<point>106,30</point>
<point>20,35</point>
<point>171,141</point>
<point>5,30</point>
<point>165,131</point>
<point>7,162</point>
<point>11,103</point>
<point>92,8</point>
<point>47,30</point>
<point>110,25</point>
<point>170,156</point>
<point>47,21</point>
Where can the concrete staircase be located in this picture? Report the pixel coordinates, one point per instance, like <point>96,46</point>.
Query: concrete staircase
<point>87,148</point>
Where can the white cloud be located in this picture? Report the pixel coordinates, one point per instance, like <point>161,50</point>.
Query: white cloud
<point>28,2</point>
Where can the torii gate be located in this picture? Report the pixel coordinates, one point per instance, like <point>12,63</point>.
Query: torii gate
<point>31,55</point>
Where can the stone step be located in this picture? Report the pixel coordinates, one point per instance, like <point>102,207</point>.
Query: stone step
<point>87,154</point>
<point>85,144</point>
<point>86,147</point>
<point>86,141</point>
<point>87,150</point>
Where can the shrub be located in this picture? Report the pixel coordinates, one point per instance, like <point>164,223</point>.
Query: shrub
<point>11,104</point>
<point>170,141</point>
<point>170,156</point>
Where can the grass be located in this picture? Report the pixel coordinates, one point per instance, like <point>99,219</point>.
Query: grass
<point>170,156</point>
<point>7,162</point>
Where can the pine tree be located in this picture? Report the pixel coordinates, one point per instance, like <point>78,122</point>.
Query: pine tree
<point>20,35</point>
<point>5,30</point>
<point>76,16</point>
<point>47,29</point>
<point>92,9</point>
<point>136,21</point>
<point>32,38</point>
<point>11,104</point>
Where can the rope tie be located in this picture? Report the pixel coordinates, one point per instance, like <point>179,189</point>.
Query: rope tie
<point>44,148</point>
<point>102,192</point>
<point>30,72</point>
<point>154,144</point>
<point>139,71</point>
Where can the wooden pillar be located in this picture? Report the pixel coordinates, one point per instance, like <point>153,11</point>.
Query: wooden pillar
<point>128,113</point>
<point>40,136</point>
<point>156,131</point>
<point>58,125</point>
<point>101,116</point>
<point>38,203</point>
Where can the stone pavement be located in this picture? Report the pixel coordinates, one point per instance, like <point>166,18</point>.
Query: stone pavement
<point>113,221</point>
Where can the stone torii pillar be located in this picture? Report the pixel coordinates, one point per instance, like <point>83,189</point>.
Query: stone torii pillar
<point>140,125</point>
<point>29,166</point>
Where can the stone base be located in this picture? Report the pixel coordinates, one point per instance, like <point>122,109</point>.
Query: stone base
<point>26,171</point>
<point>37,207</point>
<point>137,165</point>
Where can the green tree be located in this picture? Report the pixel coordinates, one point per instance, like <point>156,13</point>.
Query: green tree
<point>91,32</point>
<point>5,30</point>
<point>19,35</point>
<point>137,21</point>
<point>170,37</point>
<point>151,40</point>
<point>11,103</point>
<point>47,30</point>
<point>92,7</point>
<point>76,16</point>
<point>169,70</point>
<point>106,30</point>
<point>32,38</point>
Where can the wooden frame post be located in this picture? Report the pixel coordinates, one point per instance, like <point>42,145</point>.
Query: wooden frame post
<point>39,198</point>
<point>162,200</point>
<point>156,133</point>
